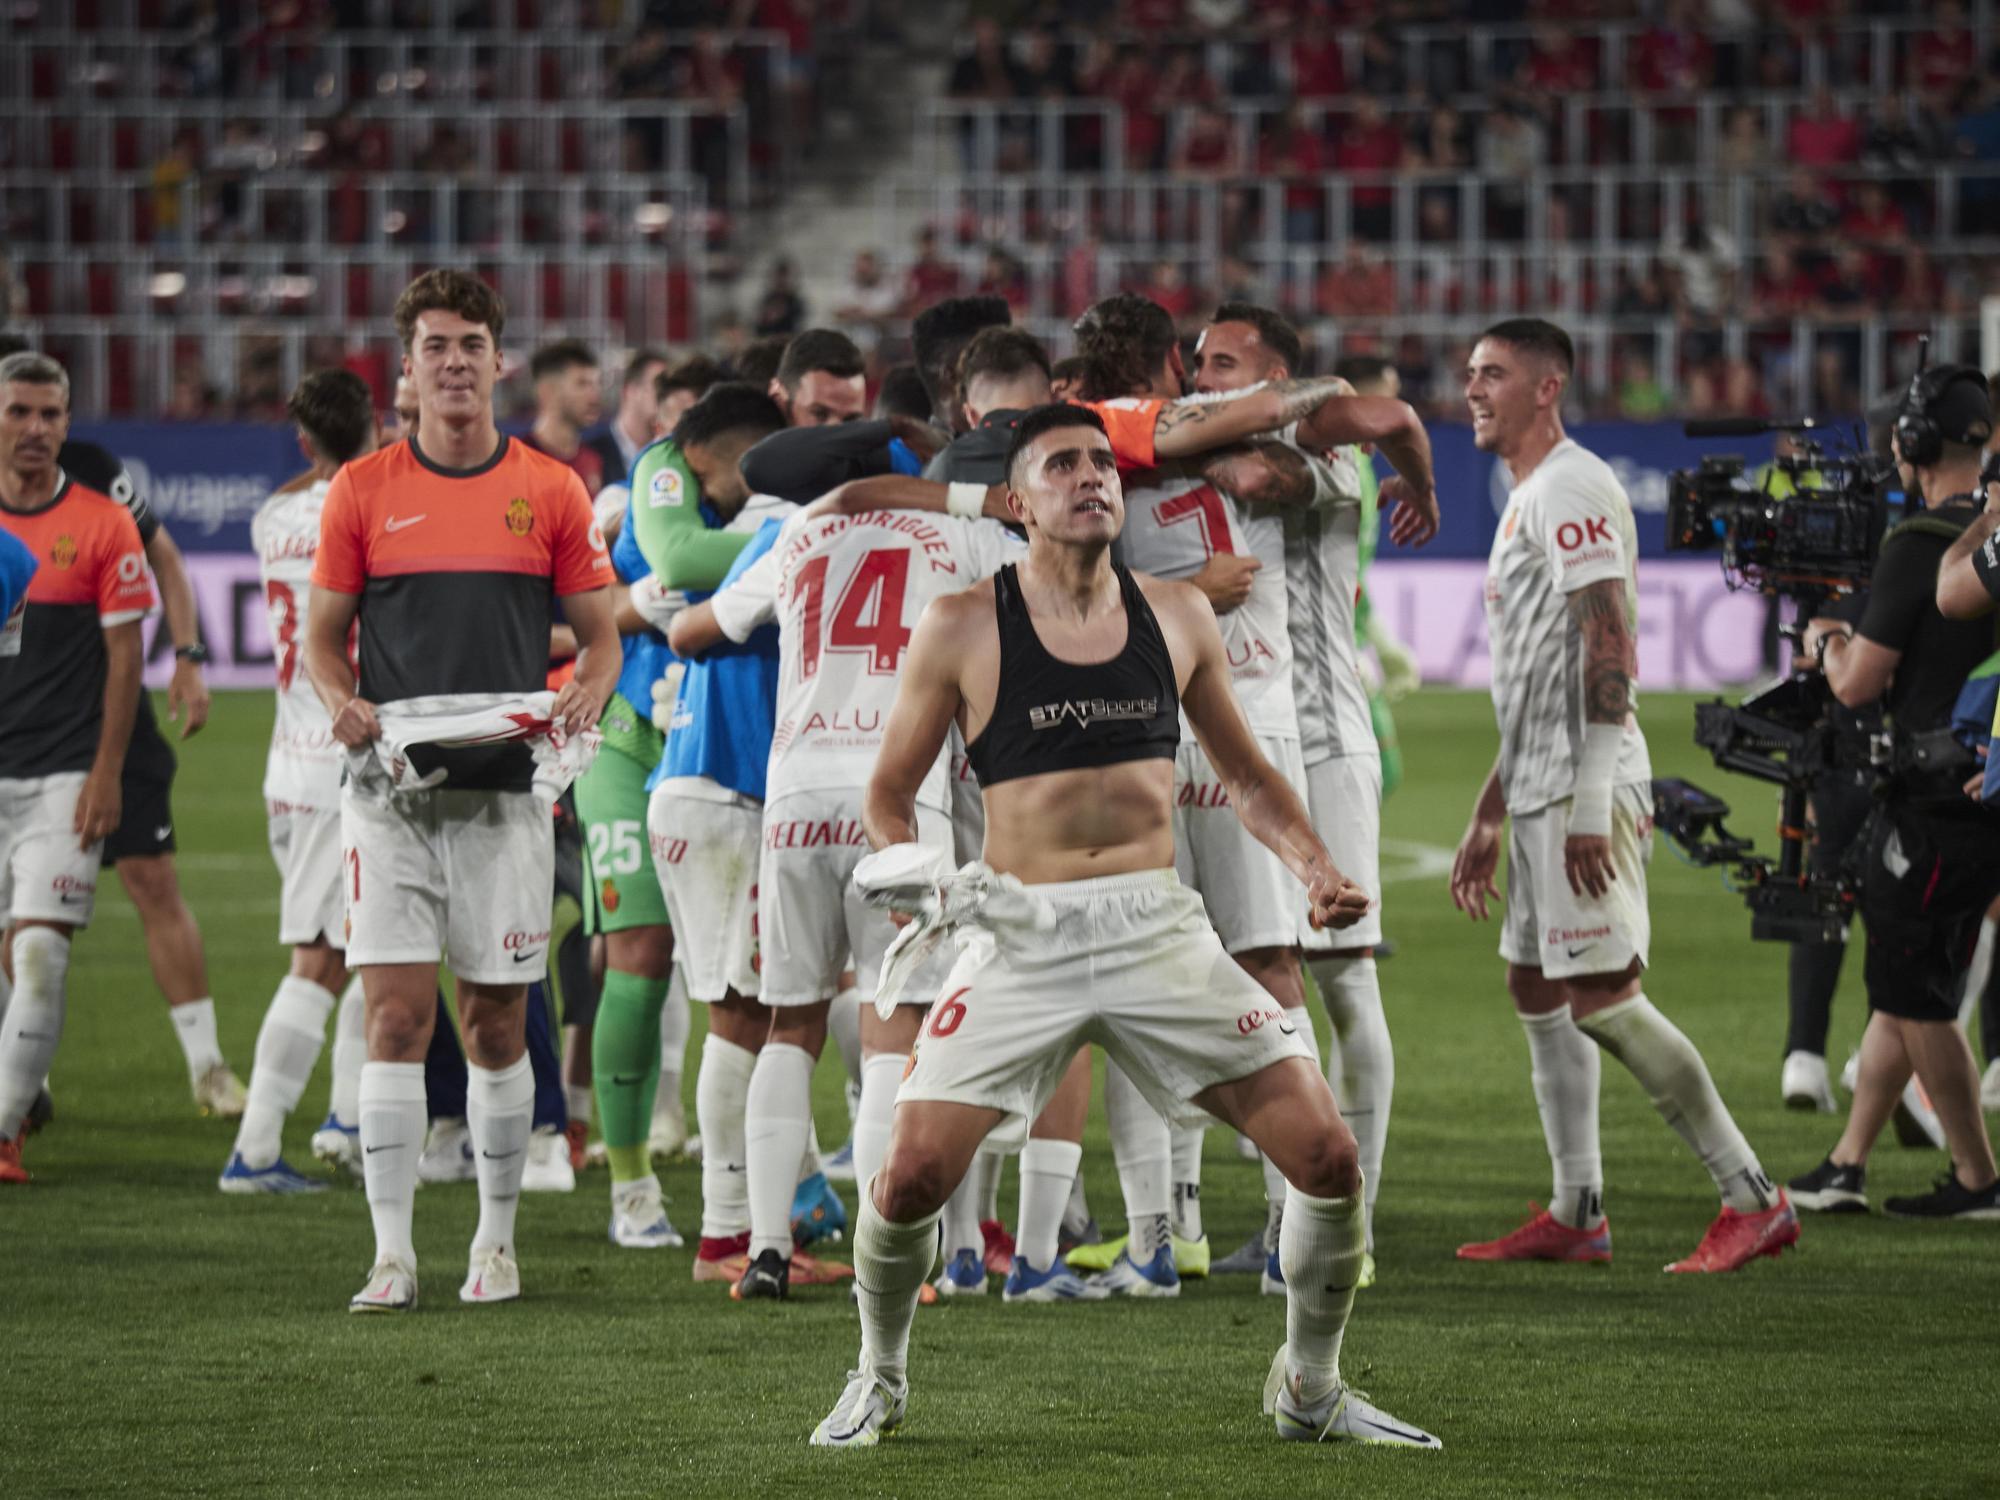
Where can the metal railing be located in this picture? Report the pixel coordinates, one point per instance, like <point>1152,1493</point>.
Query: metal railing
<point>1057,137</point>
<point>308,214</point>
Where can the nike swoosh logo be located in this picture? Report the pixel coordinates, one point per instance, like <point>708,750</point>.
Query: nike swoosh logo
<point>1584,949</point>
<point>731,1167</point>
<point>371,1150</point>
<point>68,900</point>
<point>163,830</point>
<point>626,1083</point>
<point>500,1155</point>
<point>1286,1028</point>
<point>392,524</point>
<point>34,1036</point>
<point>526,958</point>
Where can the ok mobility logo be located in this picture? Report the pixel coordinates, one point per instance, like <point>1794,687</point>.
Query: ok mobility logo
<point>1090,711</point>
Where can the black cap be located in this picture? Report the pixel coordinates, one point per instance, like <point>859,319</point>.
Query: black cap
<point>1962,410</point>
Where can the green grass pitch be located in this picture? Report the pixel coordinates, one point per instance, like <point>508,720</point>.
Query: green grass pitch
<point>161,1339</point>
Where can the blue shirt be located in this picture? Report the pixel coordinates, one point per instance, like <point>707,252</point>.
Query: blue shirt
<point>728,706</point>
<point>17,566</point>
<point>647,655</point>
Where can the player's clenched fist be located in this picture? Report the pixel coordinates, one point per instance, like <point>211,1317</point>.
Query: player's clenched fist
<point>356,725</point>
<point>1336,901</point>
<point>576,707</point>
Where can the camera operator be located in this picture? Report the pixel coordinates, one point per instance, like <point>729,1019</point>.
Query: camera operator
<point>1933,854</point>
<point>1968,583</point>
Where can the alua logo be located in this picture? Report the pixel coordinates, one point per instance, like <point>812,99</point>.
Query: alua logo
<point>1091,711</point>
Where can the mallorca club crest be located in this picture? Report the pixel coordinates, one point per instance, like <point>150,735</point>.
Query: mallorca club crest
<point>520,516</point>
<point>607,895</point>
<point>62,552</point>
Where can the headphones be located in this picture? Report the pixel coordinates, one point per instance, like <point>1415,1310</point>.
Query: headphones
<point>1917,435</point>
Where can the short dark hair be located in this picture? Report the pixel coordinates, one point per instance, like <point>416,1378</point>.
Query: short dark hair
<point>560,357</point>
<point>448,290</point>
<point>1272,327</point>
<point>825,349</point>
<point>1536,336</point>
<point>1071,367</point>
<point>730,406</point>
<point>17,343</point>
<point>636,366</point>
<point>1051,418</point>
<point>1123,340</point>
<point>1001,354</point>
<point>1360,369</point>
<point>941,331</point>
<point>695,373</point>
<point>903,395</point>
<point>336,411</point>
<point>758,360</point>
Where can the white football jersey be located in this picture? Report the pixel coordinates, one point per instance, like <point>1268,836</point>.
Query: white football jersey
<point>1568,524</point>
<point>847,592</point>
<point>1175,521</point>
<point>302,769</point>
<point>1322,579</point>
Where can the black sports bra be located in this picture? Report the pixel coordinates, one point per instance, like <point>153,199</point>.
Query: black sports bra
<point>1051,715</point>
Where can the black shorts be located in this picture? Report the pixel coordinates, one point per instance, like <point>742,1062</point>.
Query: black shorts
<point>146,823</point>
<point>1933,869</point>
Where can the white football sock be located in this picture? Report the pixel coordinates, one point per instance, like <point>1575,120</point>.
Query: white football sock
<point>393,1120</point>
<point>721,1088</point>
<point>1320,1252</point>
<point>881,1076</point>
<point>1076,1212</point>
<point>676,1021</point>
<point>1675,1078</point>
<point>499,1114</point>
<point>350,1051</point>
<point>33,1023</point>
<point>194,1024</point>
<point>577,1101</point>
<point>1048,1173</point>
<point>1275,1188</point>
<point>1364,1078</point>
<point>777,1126</point>
<point>1186,1155</point>
<point>960,1222</point>
<point>891,1264</point>
<point>1565,1067</point>
<point>288,1045</point>
<point>809,1164</point>
<point>843,1024</point>
<point>1143,1149</point>
<point>986,1169</point>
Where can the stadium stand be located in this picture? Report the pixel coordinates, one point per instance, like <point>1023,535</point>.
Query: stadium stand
<point>1734,207</point>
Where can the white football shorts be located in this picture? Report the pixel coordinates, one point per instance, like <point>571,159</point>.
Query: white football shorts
<point>1344,795</point>
<point>810,917</point>
<point>305,846</point>
<point>705,848</point>
<point>1548,925</point>
<point>466,876</point>
<point>1252,899</point>
<point>44,876</point>
<point>1131,964</point>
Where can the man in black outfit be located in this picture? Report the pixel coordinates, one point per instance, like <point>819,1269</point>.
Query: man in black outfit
<point>1932,853</point>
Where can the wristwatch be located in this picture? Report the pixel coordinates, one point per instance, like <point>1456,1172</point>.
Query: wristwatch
<point>197,653</point>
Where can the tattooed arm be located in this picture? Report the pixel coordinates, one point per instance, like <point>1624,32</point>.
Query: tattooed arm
<point>1185,428</point>
<point>1262,473</point>
<point>1609,659</point>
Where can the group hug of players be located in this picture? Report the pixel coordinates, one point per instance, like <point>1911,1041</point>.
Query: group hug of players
<point>1063,685</point>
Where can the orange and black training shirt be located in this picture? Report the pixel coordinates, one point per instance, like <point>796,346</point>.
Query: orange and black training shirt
<point>91,576</point>
<point>457,571</point>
